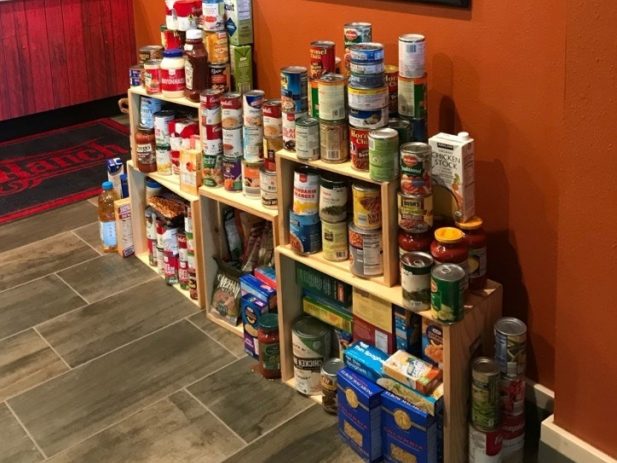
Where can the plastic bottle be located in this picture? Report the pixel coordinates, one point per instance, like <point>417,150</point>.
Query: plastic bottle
<point>107,219</point>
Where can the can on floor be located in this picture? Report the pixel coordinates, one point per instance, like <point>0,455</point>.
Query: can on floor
<point>217,46</point>
<point>370,119</point>
<point>294,96</point>
<point>313,98</point>
<point>365,252</point>
<point>322,57</point>
<point>484,446</point>
<point>412,96</point>
<point>136,75</point>
<point>160,260</point>
<point>485,393</point>
<point>212,171</point>
<point>367,99</point>
<point>366,206</point>
<point>383,155</point>
<point>391,75</point>
<point>416,168</point>
<point>271,147</point>
<point>193,285</point>
<point>267,183</point>
<point>357,32</point>
<point>306,191</point>
<point>272,119</point>
<point>232,142</point>
<point>512,395</point>
<point>183,271</point>
<point>403,127</point>
<point>447,287</point>
<point>415,212</point>
<point>170,267</point>
<point>162,130</point>
<point>334,141</point>
<point>152,252</point>
<point>163,159</point>
<point>358,147</point>
<point>329,384</point>
<point>231,109</point>
<point>232,173</point>
<point>253,143</point>
<point>251,178</point>
<point>333,198</point>
<point>311,345</point>
<point>334,241</point>
<point>511,346</point>
<point>252,112</point>
<point>411,51</point>
<point>304,233</point>
<point>220,76</point>
<point>513,450</point>
<point>289,129</point>
<point>331,97</point>
<point>307,139</point>
<point>416,280</point>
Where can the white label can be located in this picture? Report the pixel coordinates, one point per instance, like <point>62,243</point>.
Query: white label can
<point>411,51</point>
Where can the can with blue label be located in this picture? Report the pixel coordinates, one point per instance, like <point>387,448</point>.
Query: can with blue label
<point>294,91</point>
<point>367,81</point>
<point>252,142</point>
<point>135,75</point>
<point>147,108</point>
<point>366,67</point>
<point>374,119</point>
<point>365,52</point>
<point>304,233</point>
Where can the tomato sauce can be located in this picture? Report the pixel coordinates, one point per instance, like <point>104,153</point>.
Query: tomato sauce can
<point>447,287</point>
<point>220,76</point>
<point>232,142</point>
<point>253,101</point>
<point>383,155</point>
<point>365,252</point>
<point>334,241</point>
<point>358,147</point>
<point>217,46</point>
<point>333,198</point>
<point>485,446</point>
<point>267,183</point>
<point>304,233</point>
<point>307,139</point>
<point>371,119</point>
<point>253,143</point>
<point>294,92</point>
<point>411,55</point>
<point>512,395</point>
<point>511,346</point>
<point>232,173</point>
<point>271,147</point>
<point>331,95</point>
<point>403,127</point>
<point>416,280</point>
<point>231,104</point>
<point>412,96</point>
<point>367,99</point>
<point>289,129</point>
<point>485,393</point>
<point>272,119</point>
<point>212,171</point>
<point>251,179</point>
<point>334,141</point>
<point>311,346</point>
<point>415,212</point>
<point>416,168</point>
<point>162,130</point>
<point>366,206</point>
<point>306,191</point>
<point>323,58</point>
<point>314,98</point>
<point>391,74</point>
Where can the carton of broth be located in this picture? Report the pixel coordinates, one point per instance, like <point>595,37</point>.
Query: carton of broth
<point>453,175</point>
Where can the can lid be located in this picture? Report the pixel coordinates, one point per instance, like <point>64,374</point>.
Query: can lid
<point>511,326</point>
<point>194,34</point>
<point>310,327</point>
<point>411,38</point>
<point>472,224</point>
<point>448,235</point>
<point>448,272</point>
<point>269,321</point>
<point>390,69</point>
<point>384,134</point>
<point>332,366</point>
<point>417,259</point>
<point>173,53</point>
<point>107,185</point>
<point>485,365</point>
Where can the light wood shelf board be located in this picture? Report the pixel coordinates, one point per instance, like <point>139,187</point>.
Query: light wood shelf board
<point>315,398</point>
<point>237,330</point>
<point>159,96</point>
<point>239,201</point>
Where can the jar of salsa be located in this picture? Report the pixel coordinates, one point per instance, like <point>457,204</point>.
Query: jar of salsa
<point>145,147</point>
<point>269,349</point>
<point>476,240</point>
<point>416,241</point>
<point>450,247</point>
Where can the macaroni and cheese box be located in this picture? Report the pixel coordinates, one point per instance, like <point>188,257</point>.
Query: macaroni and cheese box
<point>412,372</point>
<point>252,310</point>
<point>365,360</point>
<point>359,414</point>
<point>249,284</point>
<point>267,275</point>
<point>432,342</point>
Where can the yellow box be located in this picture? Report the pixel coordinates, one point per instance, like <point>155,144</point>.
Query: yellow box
<point>375,311</point>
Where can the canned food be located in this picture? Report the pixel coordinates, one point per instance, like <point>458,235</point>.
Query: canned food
<point>333,141</point>
<point>511,346</point>
<point>271,147</point>
<point>163,159</point>
<point>412,96</point>
<point>411,60</point>
<point>512,395</point>
<point>366,67</point>
<point>253,143</point>
<point>211,116</point>
<point>373,119</point>
<point>213,142</point>
<point>170,267</point>
<point>485,446</point>
<point>212,170</point>
<point>152,76</point>
<point>322,57</point>
<point>416,168</point>
<point>367,99</point>
<point>329,384</point>
<point>250,179</point>
<point>357,32</point>
<point>193,294</point>
<point>358,147</point>
<point>306,191</point>
<point>231,107</point>
<point>162,121</point>
<point>232,142</point>
<point>366,52</point>
<point>391,75</point>
<point>331,91</point>
<point>136,73</point>
<point>383,155</point>
<point>447,286</point>
<point>365,252</point>
<point>272,119</point>
<point>294,98</point>
<point>366,80</point>
<point>267,183</point>
<point>148,107</point>
<point>415,212</point>
<point>213,18</point>
<point>232,173</point>
<point>334,240</point>
<point>253,101</point>
<point>416,280</point>
<point>304,233</point>
<point>307,139</point>
<point>171,39</point>
<point>149,52</point>
<point>403,127</point>
<point>485,393</point>
<point>311,345</point>
<point>513,428</point>
<point>217,46</point>
<point>366,206</point>
<point>314,98</point>
<point>220,77</point>
<point>418,130</point>
<point>333,197</point>
<point>289,129</point>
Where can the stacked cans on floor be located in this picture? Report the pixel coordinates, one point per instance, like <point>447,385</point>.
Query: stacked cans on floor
<point>294,102</point>
<point>412,87</point>
<point>272,142</point>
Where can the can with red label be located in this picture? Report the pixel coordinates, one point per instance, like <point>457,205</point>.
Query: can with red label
<point>232,142</point>
<point>358,147</point>
<point>272,119</point>
<point>231,107</point>
<point>212,139</point>
<point>484,446</point>
<point>416,168</point>
<point>171,39</point>
<point>391,74</point>
<point>220,76</point>
<point>512,426</point>
<point>289,129</point>
<point>323,58</point>
<point>512,395</point>
<point>271,146</point>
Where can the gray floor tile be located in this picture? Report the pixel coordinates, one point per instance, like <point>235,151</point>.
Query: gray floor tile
<point>94,201</point>
<point>233,343</point>
<point>111,273</point>
<point>38,227</point>
<point>35,302</point>
<point>15,445</point>
<point>25,361</point>
<point>47,256</point>
<point>91,234</point>
<point>86,333</point>
<point>176,429</point>
<point>66,410</point>
<point>249,404</point>
<point>309,437</point>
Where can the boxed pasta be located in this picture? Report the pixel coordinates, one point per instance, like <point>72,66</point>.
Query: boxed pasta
<point>407,330</point>
<point>412,371</point>
<point>365,360</point>
<point>327,311</point>
<point>431,403</point>
<point>252,309</point>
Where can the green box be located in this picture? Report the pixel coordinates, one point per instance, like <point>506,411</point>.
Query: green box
<point>323,284</point>
<point>327,311</point>
<point>242,67</point>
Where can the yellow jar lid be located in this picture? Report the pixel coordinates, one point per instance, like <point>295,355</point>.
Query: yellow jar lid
<point>448,235</point>
<point>472,224</point>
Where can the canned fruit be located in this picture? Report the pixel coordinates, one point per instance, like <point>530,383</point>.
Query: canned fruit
<point>416,168</point>
<point>416,280</point>
<point>447,286</point>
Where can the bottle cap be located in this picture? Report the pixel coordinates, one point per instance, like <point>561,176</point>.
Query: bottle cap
<point>448,235</point>
<point>108,185</point>
<point>173,53</point>
<point>269,321</point>
<point>464,135</point>
<point>472,224</point>
<point>194,34</point>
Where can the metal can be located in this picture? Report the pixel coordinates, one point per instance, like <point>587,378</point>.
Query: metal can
<point>334,141</point>
<point>193,294</point>
<point>171,38</point>
<point>149,52</point>
<point>412,96</point>
<point>373,119</point>
<point>307,139</point>
<point>253,101</point>
<point>366,206</point>
<point>289,129</point>
<point>322,57</point>
<point>366,52</point>
<point>391,75</point>
<point>357,32</point>
<point>217,46</point>
<point>253,143</point>
<point>329,384</point>
<point>271,147</point>
<point>485,446</point>
<point>152,76</point>
<point>136,73</point>
<point>403,127</point>
<point>416,280</point>
<point>162,120</point>
<point>267,183</point>
<point>411,59</point>
<point>212,171</point>
<point>333,198</point>
<point>358,147</point>
<point>294,97</point>
<point>365,68</point>
<point>306,191</point>
<point>512,395</point>
<point>415,212</point>
<point>220,76</point>
<point>232,173</point>
<point>232,142</point>
<point>383,155</point>
<point>170,267</point>
<point>513,429</point>
<point>366,80</point>
<point>213,18</point>
<point>231,107</point>
<point>447,287</point>
<point>334,240</point>
<point>163,159</point>
<point>272,119</point>
<point>365,252</point>
<point>367,99</point>
<point>148,107</point>
<point>311,345</point>
<point>314,98</point>
<point>212,139</point>
<point>210,99</point>
<point>485,393</point>
<point>331,91</point>
<point>416,168</point>
<point>251,178</point>
<point>304,233</point>
<point>511,346</point>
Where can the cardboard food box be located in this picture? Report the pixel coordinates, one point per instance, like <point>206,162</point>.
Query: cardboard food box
<point>373,321</point>
<point>327,311</point>
<point>252,310</point>
<point>242,67</point>
<point>407,329</point>
<point>359,414</point>
<point>124,227</point>
<point>432,343</point>
<point>431,404</point>
<point>365,360</point>
<point>267,275</point>
<point>239,21</point>
<point>319,282</point>
<point>249,284</point>
<point>413,372</point>
<point>190,170</point>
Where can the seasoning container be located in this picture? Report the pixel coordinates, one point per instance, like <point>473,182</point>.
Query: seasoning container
<point>366,206</point>
<point>383,155</point>
<point>416,280</point>
<point>152,76</point>
<point>145,148</point>
<point>365,252</point>
<point>329,384</point>
<point>311,344</point>
<point>414,241</point>
<point>475,237</point>
<point>269,346</point>
<point>173,80</point>
<point>196,65</point>
<point>333,198</point>
<point>449,247</point>
<point>447,288</point>
<point>485,393</point>
<point>307,139</point>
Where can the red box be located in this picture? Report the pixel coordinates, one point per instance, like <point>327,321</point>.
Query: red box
<point>365,331</point>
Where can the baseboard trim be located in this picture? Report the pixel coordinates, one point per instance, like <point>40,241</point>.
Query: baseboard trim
<point>541,396</point>
<point>570,446</point>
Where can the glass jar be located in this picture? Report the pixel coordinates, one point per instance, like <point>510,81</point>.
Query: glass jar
<point>145,147</point>
<point>475,236</point>
<point>195,65</point>
<point>269,349</point>
<point>450,247</point>
<point>416,241</point>
<point>173,81</point>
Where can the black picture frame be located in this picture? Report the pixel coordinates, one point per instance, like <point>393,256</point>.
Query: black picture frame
<point>453,3</point>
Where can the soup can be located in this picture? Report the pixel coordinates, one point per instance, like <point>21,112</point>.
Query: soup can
<point>334,241</point>
<point>253,101</point>
<point>213,18</point>
<point>373,119</point>
<point>412,96</point>
<point>323,56</point>
<point>213,142</point>
<point>251,178</point>
<point>366,52</point>
<point>232,173</point>
<point>403,127</point>
<point>415,212</point>
<point>294,92</point>
<point>232,142</point>
<point>334,142</point>
<point>307,139</point>
<point>329,384</point>
<point>383,155</point>
<point>271,147</point>
<point>331,94</point>
<point>304,233</point>
<point>162,121</point>
<point>212,171</point>
<point>485,393</point>
<point>411,51</point>
<point>212,115</point>
<point>314,98</point>
<point>289,129</point>
<point>267,183</point>
<point>416,280</point>
<point>253,143</point>
<point>511,346</point>
<point>416,168</point>
<point>447,287</point>
<point>163,159</point>
<point>512,395</point>
<point>365,252</point>
<point>311,345</point>
<point>358,147</point>
<point>485,446</point>
<point>367,99</point>
<point>366,206</point>
<point>220,76</point>
<point>333,198</point>
<point>272,119</point>
<point>391,75</point>
<point>231,108</point>
<point>306,191</point>
<point>357,32</point>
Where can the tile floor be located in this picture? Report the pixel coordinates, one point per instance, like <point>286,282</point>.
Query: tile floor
<point>100,362</point>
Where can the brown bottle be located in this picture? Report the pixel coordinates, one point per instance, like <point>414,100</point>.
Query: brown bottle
<point>195,64</point>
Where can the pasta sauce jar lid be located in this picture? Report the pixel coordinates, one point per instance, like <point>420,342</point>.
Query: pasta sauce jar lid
<point>448,235</point>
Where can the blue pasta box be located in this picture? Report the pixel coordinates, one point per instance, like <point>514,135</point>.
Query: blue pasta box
<point>359,414</point>
<point>252,309</point>
<point>408,433</point>
<point>249,284</point>
<point>267,275</point>
<point>365,360</point>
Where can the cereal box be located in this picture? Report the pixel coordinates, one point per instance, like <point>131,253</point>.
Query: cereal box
<point>412,371</point>
<point>432,343</point>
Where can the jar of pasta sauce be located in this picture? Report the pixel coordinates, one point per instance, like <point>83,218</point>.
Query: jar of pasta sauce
<point>450,247</point>
<point>475,237</point>
<point>145,147</point>
<point>173,81</point>
<point>269,347</point>
<point>414,241</point>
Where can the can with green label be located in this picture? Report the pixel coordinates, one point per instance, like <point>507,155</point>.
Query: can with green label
<point>311,342</point>
<point>383,156</point>
<point>447,288</point>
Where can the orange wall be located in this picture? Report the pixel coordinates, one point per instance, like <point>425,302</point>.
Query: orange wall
<point>149,15</point>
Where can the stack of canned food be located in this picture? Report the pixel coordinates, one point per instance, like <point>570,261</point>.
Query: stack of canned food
<point>212,138</point>
<point>272,142</point>
<point>252,136</point>
<point>294,101</point>
<point>412,80</point>
<point>322,61</point>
